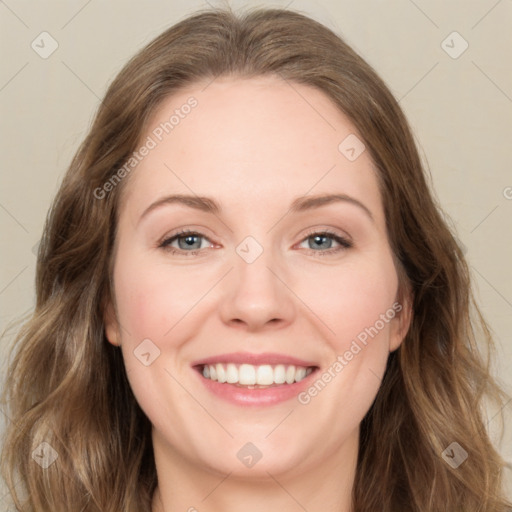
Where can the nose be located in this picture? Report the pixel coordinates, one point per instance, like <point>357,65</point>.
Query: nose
<point>256,295</point>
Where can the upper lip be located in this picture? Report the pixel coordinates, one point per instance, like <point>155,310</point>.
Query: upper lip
<point>254,359</point>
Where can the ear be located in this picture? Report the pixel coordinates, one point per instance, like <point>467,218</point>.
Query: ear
<point>112,331</point>
<point>403,318</point>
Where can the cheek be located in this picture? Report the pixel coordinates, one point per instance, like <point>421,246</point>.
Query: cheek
<point>152,299</point>
<point>359,307</point>
<point>350,298</point>
<point>138,307</point>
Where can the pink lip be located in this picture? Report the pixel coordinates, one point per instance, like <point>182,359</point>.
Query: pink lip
<point>242,396</point>
<point>256,397</point>
<point>254,359</point>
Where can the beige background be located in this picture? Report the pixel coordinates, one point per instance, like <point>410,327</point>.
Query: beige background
<point>460,110</point>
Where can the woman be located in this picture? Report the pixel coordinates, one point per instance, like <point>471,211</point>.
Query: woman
<point>247,296</point>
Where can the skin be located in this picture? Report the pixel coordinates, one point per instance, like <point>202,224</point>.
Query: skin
<point>253,145</point>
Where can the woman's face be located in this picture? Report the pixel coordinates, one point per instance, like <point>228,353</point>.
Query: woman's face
<point>286,275</point>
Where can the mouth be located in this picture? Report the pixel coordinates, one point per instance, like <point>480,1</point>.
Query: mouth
<point>251,376</point>
<point>247,379</point>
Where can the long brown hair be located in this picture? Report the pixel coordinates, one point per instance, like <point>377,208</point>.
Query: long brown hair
<point>67,385</point>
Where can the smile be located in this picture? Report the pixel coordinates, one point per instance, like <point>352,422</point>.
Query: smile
<point>255,377</point>
<point>248,379</point>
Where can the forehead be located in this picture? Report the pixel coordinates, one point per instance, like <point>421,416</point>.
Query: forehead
<point>261,138</point>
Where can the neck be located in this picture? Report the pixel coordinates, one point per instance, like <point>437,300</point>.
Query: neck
<point>186,486</point>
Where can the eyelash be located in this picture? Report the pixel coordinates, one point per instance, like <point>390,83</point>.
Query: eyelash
<point>343,243</point>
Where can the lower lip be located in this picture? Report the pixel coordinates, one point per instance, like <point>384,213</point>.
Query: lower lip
<point>262,396</point>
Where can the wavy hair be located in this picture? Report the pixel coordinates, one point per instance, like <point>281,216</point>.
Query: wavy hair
<point>67,386</point>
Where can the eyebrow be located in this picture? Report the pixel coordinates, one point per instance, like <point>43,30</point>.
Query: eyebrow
<point>300,204</point>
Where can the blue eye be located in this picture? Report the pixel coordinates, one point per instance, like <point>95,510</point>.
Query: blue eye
<point>191,242</point>
<point>188,241</point>
<point>324,240</point>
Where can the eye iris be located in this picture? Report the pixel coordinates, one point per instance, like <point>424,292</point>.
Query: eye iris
<point>189,240</point>
<point>318,239</point>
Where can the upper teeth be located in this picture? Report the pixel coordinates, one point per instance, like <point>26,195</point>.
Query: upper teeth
<point>248,374</point>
